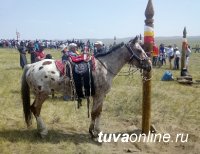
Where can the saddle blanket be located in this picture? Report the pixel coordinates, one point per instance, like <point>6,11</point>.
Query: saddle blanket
<point>60,66</point>
<point>83,78</point>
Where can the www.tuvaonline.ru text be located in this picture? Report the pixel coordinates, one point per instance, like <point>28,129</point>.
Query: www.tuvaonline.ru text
<point>158,137</point>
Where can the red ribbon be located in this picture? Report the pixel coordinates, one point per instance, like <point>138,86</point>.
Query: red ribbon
<point>148,39</point>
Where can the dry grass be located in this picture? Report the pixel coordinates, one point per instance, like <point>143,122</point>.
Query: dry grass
<point>175,109</point>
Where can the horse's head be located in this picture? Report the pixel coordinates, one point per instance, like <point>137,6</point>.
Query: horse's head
<point>138,56</point>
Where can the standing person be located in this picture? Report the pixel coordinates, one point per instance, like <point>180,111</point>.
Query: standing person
<point>88,44</point>
<point>175,49</point>
<point>64,53</point>
<point>65,57</point>
<point>64,49</point>
<point>22,51</point>
<point>177,58</point>
<point>188,52</point>
<point>161,54</point>
<point>170,55</point>
<point>155,54</point>
<point>31,51</point>
<point>36,45</point>
<point>40,54</point>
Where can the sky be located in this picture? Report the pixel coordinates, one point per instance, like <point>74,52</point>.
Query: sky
<point>67,19</point>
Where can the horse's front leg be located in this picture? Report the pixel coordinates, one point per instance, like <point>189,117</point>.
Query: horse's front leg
<point>95,116</point>
<point>36,108</point>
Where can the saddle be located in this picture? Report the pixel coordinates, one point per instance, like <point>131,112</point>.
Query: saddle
<point>81,74</point>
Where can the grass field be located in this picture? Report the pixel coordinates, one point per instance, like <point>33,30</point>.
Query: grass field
<point>175,109</point>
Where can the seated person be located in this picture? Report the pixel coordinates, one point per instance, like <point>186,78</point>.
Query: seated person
<point>99,48</point>
<point>64,50</point>
<point>72,52</point>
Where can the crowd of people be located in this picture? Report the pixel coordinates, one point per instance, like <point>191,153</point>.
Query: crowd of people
<point>36,49</point>
<point>8,43</point>
<point>50,44</point>
<point>172,53</point>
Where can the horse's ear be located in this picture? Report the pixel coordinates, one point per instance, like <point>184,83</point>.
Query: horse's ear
<point>135,39</point>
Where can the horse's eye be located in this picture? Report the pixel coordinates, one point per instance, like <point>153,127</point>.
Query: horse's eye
<point>138,50</point>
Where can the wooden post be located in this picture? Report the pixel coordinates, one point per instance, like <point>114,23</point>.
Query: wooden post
<point>184,43</point>
<point>185,76</point>
<point>148,47</point>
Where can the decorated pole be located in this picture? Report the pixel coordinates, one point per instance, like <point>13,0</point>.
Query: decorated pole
<point>18,35</point>
<point>185,76</point>
<point>148,47</point>
<point>184,44</point>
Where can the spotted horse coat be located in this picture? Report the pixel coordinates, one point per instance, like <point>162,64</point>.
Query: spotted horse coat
<point>47,79</point>
<point>43,77</point>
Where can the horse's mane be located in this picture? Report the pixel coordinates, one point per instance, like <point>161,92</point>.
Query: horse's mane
<point>112,49</point>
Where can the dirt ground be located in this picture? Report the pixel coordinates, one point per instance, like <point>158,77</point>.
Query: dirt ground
<point>192,146</point>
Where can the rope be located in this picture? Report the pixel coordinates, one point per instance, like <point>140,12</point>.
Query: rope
<point>122,73</point>
<point>88,99</point>
<point>129,72</point>
<point>72,84</point>
<point>144,78</point>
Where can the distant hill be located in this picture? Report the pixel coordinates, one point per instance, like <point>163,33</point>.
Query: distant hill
<point>193,40</point>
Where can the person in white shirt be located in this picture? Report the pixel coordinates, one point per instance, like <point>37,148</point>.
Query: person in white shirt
<point>177,58</point>
<point>170,54</point>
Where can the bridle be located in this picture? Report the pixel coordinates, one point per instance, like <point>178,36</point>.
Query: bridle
<point>133,56</point>
<point>140,61</point>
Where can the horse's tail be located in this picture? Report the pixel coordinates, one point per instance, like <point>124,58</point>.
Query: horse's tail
<point>25,95</point>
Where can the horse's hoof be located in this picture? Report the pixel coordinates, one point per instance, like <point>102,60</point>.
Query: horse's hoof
<point>91,133</point>
<point>94,133</point>
<point>43,133</point>
<point>42,136</point>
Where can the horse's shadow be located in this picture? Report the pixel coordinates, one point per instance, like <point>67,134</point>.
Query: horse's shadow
<point>53,137</point>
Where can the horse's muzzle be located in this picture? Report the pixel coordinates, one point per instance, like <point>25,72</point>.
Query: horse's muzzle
<point>147,65</point>
<point>147,68</point>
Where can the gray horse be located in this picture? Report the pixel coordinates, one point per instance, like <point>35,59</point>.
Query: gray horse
<point>43,78</point>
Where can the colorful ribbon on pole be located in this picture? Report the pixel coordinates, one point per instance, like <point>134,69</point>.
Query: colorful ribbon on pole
<point>148,34</point>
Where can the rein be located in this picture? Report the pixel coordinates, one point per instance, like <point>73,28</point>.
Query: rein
<point>133,55</point>
<point>110,71</point>
<point>129,72</point>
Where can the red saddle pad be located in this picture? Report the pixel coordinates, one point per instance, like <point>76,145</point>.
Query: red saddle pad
<point>60,66</point>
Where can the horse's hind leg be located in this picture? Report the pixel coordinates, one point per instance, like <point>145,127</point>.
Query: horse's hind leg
<point>36,108</point>
<point>95,116</point>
